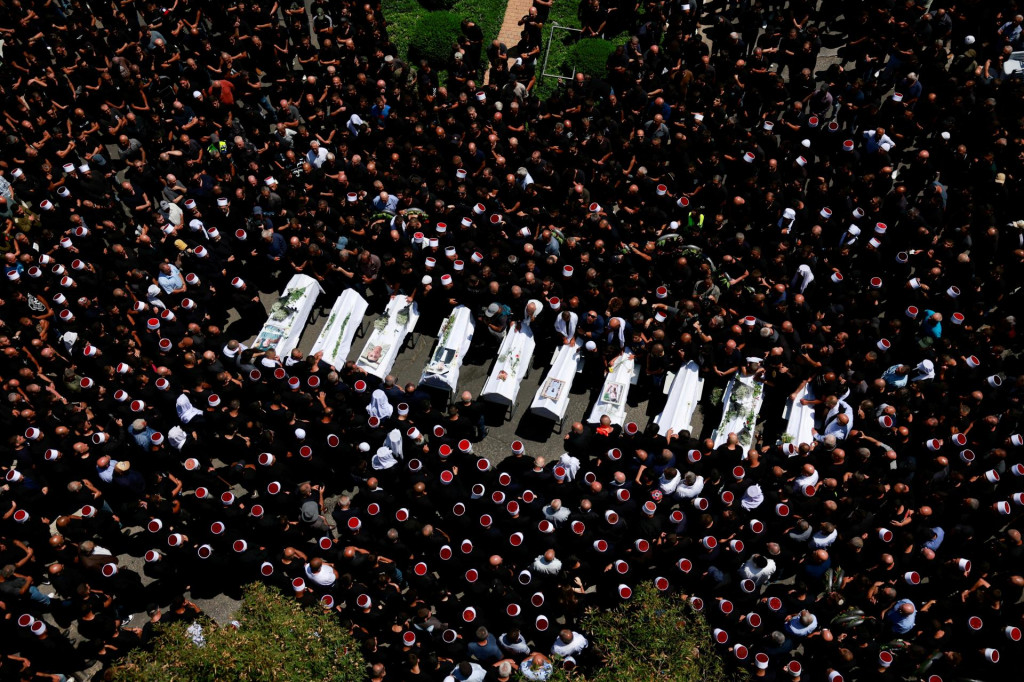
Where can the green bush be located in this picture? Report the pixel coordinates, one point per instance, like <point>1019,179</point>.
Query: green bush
<point>433,38</point>
<point>652,636</point>
<point>276,640</point>
<point>590,56</point>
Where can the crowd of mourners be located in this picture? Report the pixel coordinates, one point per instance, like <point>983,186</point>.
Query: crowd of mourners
<point>714,196</point>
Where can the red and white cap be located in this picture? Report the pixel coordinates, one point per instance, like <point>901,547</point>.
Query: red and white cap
<point>661,190</point>
<point>513,610</point>
<point>469,614</point>
<point>740,652</point>
<point>420,568</point>
<point>567,271</point>
<point>363,601</point>
<point>761,661</point>
<point>540,623</point>
<point>794,668</point>
<point>885,659</point>
<point>661,583</point>
<point>445,553</point>
<point>625,591</point>
<point>912,578</point>
<point>991,655</point>
<point>885,535</point>
<point>175,539</point>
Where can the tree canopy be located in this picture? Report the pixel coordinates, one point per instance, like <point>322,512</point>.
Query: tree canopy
<point>276,639</point>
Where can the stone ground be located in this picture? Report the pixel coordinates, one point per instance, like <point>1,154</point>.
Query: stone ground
<point>541,436</point>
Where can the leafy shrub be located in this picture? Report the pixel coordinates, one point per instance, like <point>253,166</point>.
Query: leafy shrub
<point>433,38</point>
<point>277,639</point>
<point>653,636</point>
<point>590,56</point>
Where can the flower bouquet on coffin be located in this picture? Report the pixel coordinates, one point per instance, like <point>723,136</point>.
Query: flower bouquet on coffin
<point>388,332</point>
<point>443,357</point>
<point>741,405</point>
<point>288,315</point>
<point>612,399</point>
<point>453,341</point>
<point>335,340</point>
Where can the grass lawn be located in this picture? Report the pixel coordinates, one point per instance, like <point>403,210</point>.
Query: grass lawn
<point>402,16</point>
<point>564,13</point>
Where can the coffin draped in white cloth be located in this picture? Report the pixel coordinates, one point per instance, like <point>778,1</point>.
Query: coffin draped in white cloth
<point>799,419</point>
<point>552,399</point>
<point>288,316</point>
<point>336,337</point>
<point>511,365</point>
<point>453,340</point>
<point>683,396</point>
<point>612,399</point>
<point>740,406</point>
<point>387,337</point>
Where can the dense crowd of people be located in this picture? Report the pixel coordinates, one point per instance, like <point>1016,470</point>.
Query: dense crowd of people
<point>722,200</point>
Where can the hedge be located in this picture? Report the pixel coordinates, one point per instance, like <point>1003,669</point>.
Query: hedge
<point>590,56</point>
<point>433,38</point>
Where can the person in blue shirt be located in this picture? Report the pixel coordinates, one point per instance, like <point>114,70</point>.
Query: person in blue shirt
<point>896,376</point>
<point>485,649</point>
<point>932,325</point>
<point>901,617</point>
<point>938,535</point>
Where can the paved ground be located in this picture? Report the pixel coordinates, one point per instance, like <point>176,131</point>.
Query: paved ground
<point>539,434</point>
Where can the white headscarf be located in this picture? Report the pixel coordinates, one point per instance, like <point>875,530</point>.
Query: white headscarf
<point>384,459</point>
<point>394,442</point>
<point>567,330</point>
<point>177,437</point>
<point>752,498</point>
<point>570,464</point>
<point>379,406</point>
<point>186,411</point>
<point>924,371</point>
<point>538,308</point>
<point>805,277</point>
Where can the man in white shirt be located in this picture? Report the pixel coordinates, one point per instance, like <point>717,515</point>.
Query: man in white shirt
<point>569,644</point>
<point>321,573</point>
